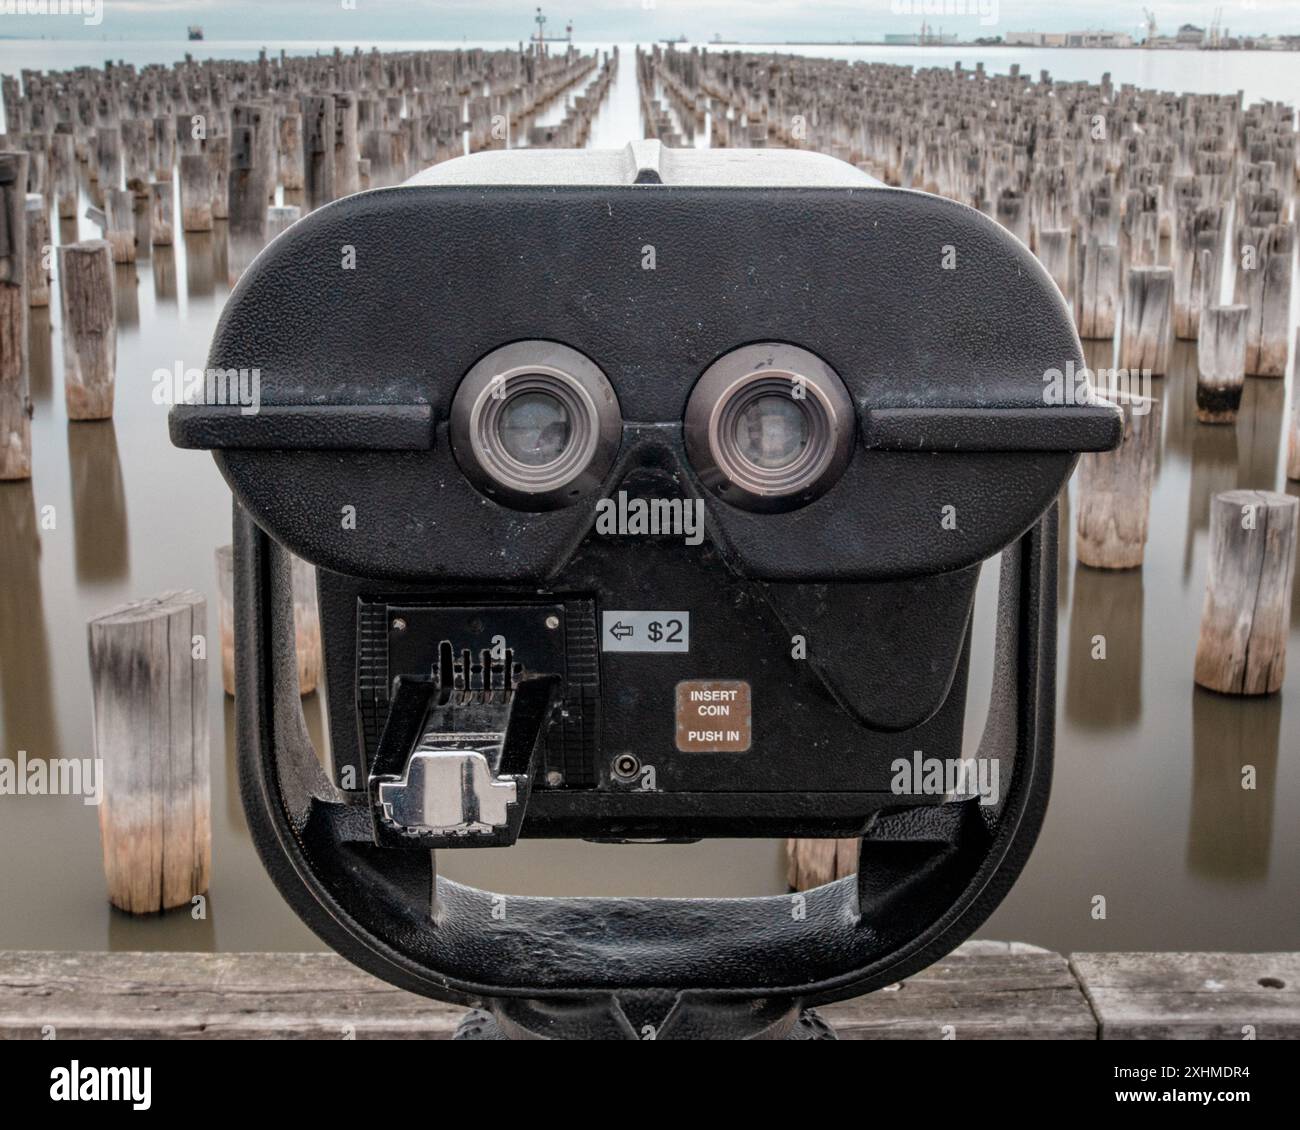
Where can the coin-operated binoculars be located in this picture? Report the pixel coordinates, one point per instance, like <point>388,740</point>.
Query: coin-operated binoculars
<point>648,492</point>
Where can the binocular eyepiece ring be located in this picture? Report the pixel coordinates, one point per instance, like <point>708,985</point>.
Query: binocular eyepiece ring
<point>769,427</point>
<point>535,425</point>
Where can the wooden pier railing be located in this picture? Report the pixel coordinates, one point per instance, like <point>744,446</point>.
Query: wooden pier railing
<point>984,990</point>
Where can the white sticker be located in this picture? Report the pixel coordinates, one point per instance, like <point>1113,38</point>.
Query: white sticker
<point>645,631</point>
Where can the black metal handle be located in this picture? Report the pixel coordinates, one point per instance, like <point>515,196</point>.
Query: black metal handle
<point>928,877</point>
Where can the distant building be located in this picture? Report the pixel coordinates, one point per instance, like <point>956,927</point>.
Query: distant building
<point>1189,35</point>
<point>1068,39</point>
<point>1098,39</point>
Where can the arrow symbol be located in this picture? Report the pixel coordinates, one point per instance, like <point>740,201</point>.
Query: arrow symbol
<point>620,630</point>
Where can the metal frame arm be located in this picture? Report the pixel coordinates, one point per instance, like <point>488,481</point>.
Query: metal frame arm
<point>928,877</point>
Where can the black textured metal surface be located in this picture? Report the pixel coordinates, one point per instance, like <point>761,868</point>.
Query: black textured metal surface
<point>960,457</point>
<point>304,427</point>
<point>854,280</point>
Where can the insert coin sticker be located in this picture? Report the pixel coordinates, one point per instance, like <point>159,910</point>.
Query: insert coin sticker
<point>713,716</point>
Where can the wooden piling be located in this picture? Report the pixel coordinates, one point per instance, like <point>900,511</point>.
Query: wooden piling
<point>161,213</point>
<point>196,192</point>
<point>290,152</point>
<point>218,154</point>
<point>1115,490</point>
<point>119,227</point>
<point>306,619</point>
<point>15,393</point>
<point>63,159</point>
<point>1098,293</point>
<point>38,250</point>
<point>148,671</point>
<point>814,863</point>
<point>1246,616</point>
<point>1221,363</point>
<point>108,158</point>
<point>1293,441</point>
<point>279,217</point>
<point>89,329</point>
<point>251,181</point>
<point>1054,254</point>
<point>1147,331</point>
<point>1268,338</point>
<point>346,152</point>
<point>164,149</point>
<point>318,150</point>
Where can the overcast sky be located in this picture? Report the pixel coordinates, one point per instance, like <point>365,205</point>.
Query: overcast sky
<point>347,21</point>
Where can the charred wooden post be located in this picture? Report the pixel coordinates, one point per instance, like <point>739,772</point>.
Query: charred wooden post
<point>1221,363</point>
<point>1247,612</point>
<point>149,669</point>
<point>89,329</point>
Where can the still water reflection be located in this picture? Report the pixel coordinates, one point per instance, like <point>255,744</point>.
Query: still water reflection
<point>1147,809</point>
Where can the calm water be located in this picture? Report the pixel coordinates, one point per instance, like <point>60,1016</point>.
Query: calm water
<point>1146,805</point>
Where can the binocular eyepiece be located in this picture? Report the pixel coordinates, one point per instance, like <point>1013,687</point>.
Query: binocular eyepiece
<point>535,425</point>
<point>648,492</point>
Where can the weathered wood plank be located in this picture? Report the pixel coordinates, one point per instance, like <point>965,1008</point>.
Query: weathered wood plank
<point>983,990</point>
<point>1192,996</point>
<point>208,996</point>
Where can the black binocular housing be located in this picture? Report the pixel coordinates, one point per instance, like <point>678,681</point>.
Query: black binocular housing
<point>648,492</point>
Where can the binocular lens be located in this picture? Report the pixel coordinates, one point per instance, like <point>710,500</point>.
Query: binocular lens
<point>534,428</point>
<point>769,427</point>
<point>772,431</point>
<point>535,425</point>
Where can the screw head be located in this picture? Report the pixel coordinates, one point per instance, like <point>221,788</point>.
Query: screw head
<point>552,622</point>
<point>555,778</point>
<point>399,625</point>
<point>626,766</point>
